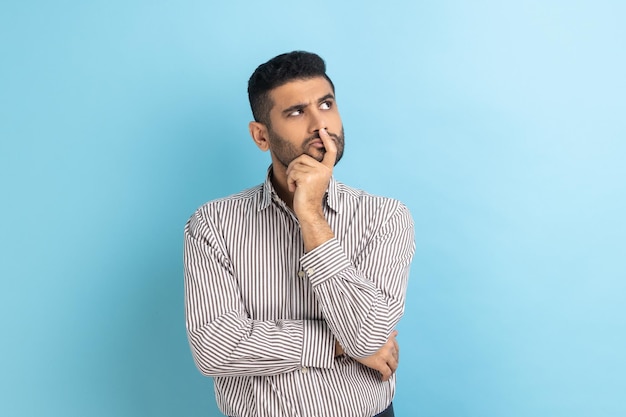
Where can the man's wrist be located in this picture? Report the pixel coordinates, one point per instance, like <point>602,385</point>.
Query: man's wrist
<point>315,230</point>
<point>338,349</point>
<point>312,214</point>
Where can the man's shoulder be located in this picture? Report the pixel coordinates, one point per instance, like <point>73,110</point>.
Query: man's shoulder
<point>351,201</point>
<point>376,211</point>
<point>245,199</point>
<point>352,194</point>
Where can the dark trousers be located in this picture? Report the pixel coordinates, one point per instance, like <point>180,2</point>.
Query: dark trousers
<point>387,412</point>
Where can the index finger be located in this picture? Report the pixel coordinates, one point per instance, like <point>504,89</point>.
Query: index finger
<point>330,157</point>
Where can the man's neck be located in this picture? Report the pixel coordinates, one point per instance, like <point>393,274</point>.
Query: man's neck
<point>278,177</point>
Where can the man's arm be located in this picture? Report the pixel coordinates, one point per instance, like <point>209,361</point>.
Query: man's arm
<point>224,340</point>
<point>363,302</point>
<point>385,360</point>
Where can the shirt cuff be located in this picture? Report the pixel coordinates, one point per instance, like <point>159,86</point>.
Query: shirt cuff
<point>318,347</point>
<point>324,262</point>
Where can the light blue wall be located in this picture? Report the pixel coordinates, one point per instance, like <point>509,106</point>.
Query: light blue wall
<point>500,124</point>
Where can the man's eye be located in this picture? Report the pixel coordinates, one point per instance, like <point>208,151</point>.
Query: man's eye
<point>326,105</point>
<point>295,113</point>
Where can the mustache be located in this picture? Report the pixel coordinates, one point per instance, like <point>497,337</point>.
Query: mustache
<point>316,135</point>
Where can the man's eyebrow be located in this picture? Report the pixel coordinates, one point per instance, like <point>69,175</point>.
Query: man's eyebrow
<point>293,108</point>
<point>300,106</point>
<point>328,96</point>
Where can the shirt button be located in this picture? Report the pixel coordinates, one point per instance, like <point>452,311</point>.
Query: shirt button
<point>310,271</point>
<point>301,274</point>
<point>304,370</point>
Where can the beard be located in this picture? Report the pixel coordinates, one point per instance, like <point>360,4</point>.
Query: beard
<point>285,151</point>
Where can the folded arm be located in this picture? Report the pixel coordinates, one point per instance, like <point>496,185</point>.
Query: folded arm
<point>224,340</point>
<point>362,299</point>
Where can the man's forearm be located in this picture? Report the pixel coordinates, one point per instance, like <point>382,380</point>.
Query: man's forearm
<point>315,231</point>
<point>241,347</point>
<point>362,303</point>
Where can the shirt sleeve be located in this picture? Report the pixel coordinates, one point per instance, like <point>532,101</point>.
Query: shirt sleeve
<point>224,340</point>
<point>362,298</point>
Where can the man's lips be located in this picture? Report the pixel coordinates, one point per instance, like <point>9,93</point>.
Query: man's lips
<point>317,143</point>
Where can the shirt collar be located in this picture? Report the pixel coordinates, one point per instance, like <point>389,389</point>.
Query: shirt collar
<point>268,193</point>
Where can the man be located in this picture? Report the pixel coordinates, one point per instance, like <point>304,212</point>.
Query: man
<point>293,288</point>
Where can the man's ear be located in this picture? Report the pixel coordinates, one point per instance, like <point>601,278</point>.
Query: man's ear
<point>258,131</point>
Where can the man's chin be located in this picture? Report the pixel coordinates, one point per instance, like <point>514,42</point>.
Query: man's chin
<point>317,154</point>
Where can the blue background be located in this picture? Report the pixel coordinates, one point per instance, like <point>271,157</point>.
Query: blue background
<point>500,124</point>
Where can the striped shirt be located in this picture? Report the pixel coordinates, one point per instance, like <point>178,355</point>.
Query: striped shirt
<point>262,315</point>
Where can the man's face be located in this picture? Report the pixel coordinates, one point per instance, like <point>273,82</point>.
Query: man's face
<point>301,108</point>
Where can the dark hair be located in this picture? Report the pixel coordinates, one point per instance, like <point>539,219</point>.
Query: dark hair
<point>296,65</point>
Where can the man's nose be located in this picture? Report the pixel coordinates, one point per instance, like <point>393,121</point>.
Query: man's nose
<point>317,121</point>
